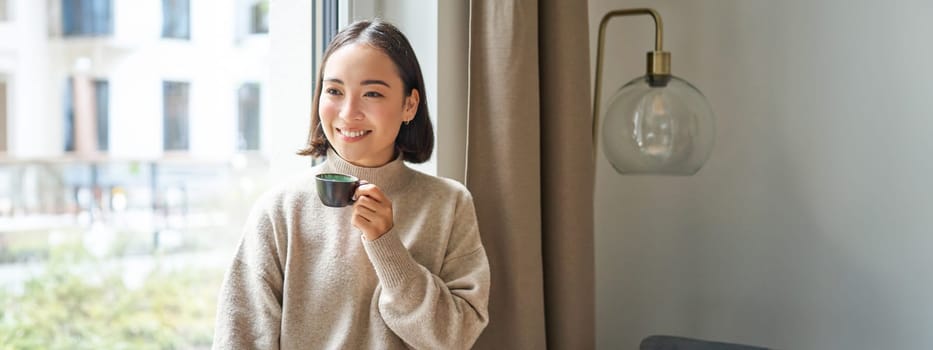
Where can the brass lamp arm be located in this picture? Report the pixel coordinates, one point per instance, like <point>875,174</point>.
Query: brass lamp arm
<point>658,61</point>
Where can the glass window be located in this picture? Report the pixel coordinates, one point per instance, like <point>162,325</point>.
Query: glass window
<point>101,112</point>
<point>259,17</point>
<point>69,127</point>
<point>176,21</point>
<point>175,115</point>
<point>87,17</point>
<point>4,11</point>
<point>132,244</point>
<point>248,124</point>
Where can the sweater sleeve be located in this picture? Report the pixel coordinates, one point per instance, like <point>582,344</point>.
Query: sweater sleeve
<point>249,309</point>
<point>428,311</point>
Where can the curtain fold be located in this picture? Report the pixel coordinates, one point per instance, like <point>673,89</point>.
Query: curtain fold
<point>530,169</point>
<point>568,173</point>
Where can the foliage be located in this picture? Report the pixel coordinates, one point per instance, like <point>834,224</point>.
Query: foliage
<point>79,302</point>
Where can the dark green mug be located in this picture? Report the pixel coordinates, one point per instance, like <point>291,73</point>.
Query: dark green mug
<point>336,190</point>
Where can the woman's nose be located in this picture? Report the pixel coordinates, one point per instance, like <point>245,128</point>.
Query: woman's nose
<point>351,109</point>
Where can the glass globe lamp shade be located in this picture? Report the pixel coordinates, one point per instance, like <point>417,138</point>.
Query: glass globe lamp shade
<point>658,127</point>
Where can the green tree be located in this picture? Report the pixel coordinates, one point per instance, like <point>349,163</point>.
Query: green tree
<point>79,302</point>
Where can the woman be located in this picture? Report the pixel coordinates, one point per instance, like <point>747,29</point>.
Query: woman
<point>403,267</point>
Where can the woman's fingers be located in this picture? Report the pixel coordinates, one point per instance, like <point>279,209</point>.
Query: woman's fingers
<point>367,206</point>
<point>371,191</point>
<point>372,212</point>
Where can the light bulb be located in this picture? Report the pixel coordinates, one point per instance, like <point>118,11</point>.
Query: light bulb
<point>665,129</point>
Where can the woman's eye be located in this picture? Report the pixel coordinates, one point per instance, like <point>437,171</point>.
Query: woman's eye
<point>372,94</point>
<point>332,91</point>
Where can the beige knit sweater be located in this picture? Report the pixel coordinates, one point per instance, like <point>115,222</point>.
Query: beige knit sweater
<point>304,278</point>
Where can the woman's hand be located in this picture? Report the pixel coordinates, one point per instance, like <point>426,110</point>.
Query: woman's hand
<point>372,211</point>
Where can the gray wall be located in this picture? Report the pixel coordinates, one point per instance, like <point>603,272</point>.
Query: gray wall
<point>811,226</point>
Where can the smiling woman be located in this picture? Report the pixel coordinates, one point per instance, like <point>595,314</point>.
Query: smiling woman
<point>364,115</point>
<point>384,80</point>
<point>404,266</point>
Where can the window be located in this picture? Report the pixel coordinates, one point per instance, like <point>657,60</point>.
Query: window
<point>259,17</point>
<point>4,11</point>
<point>248,124</point>
<point>155,227</point>
<point>87,17</point>
<point>175,116</point>
<point>69,116</point>
<point>176,19</point>
<point>100,109</point>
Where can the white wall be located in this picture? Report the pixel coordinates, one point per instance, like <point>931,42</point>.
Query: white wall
<point>23,61</point>
<point>810,226</point>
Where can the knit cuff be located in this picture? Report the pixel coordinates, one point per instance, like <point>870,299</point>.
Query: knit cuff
<point>393,263</point>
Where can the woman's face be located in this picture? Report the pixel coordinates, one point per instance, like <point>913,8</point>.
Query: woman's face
<point>363,104</point>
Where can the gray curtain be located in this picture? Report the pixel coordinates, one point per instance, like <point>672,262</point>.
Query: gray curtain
<point>531,171</point>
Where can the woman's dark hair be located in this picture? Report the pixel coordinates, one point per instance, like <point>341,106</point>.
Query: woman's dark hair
<point>415,139</point>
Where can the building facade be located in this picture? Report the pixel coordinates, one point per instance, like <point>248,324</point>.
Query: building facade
<point>132,78</point>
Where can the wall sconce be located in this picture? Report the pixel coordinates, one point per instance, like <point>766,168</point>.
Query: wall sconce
<point>656,123</point>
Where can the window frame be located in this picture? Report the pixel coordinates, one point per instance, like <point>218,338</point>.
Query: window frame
<point>327,16</point>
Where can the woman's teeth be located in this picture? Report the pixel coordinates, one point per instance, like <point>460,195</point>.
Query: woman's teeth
<point>352,134</point>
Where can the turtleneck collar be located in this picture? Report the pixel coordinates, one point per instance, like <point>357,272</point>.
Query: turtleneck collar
<point>390,177</point>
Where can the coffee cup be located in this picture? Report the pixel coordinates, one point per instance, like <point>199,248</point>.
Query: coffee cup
<point>336,190</point>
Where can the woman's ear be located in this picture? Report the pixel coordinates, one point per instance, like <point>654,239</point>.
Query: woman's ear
<point>411,104</point>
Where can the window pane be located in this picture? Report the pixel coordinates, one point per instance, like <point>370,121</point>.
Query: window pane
<point>102,107</point>
<point>259,23</point>
<point>175,111</point>
<point>101,17</point>
<point>69,125</point>
<point>92,130</point>
<point>248,135</point>
<point>70,16</point>
<point>175,19</point>
<point>87,17</point>
<point>4,11</point>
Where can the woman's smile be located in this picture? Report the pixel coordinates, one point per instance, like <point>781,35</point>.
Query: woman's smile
<point>352,135</point>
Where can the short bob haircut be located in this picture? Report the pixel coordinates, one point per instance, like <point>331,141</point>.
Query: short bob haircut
<point>415,139</point>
